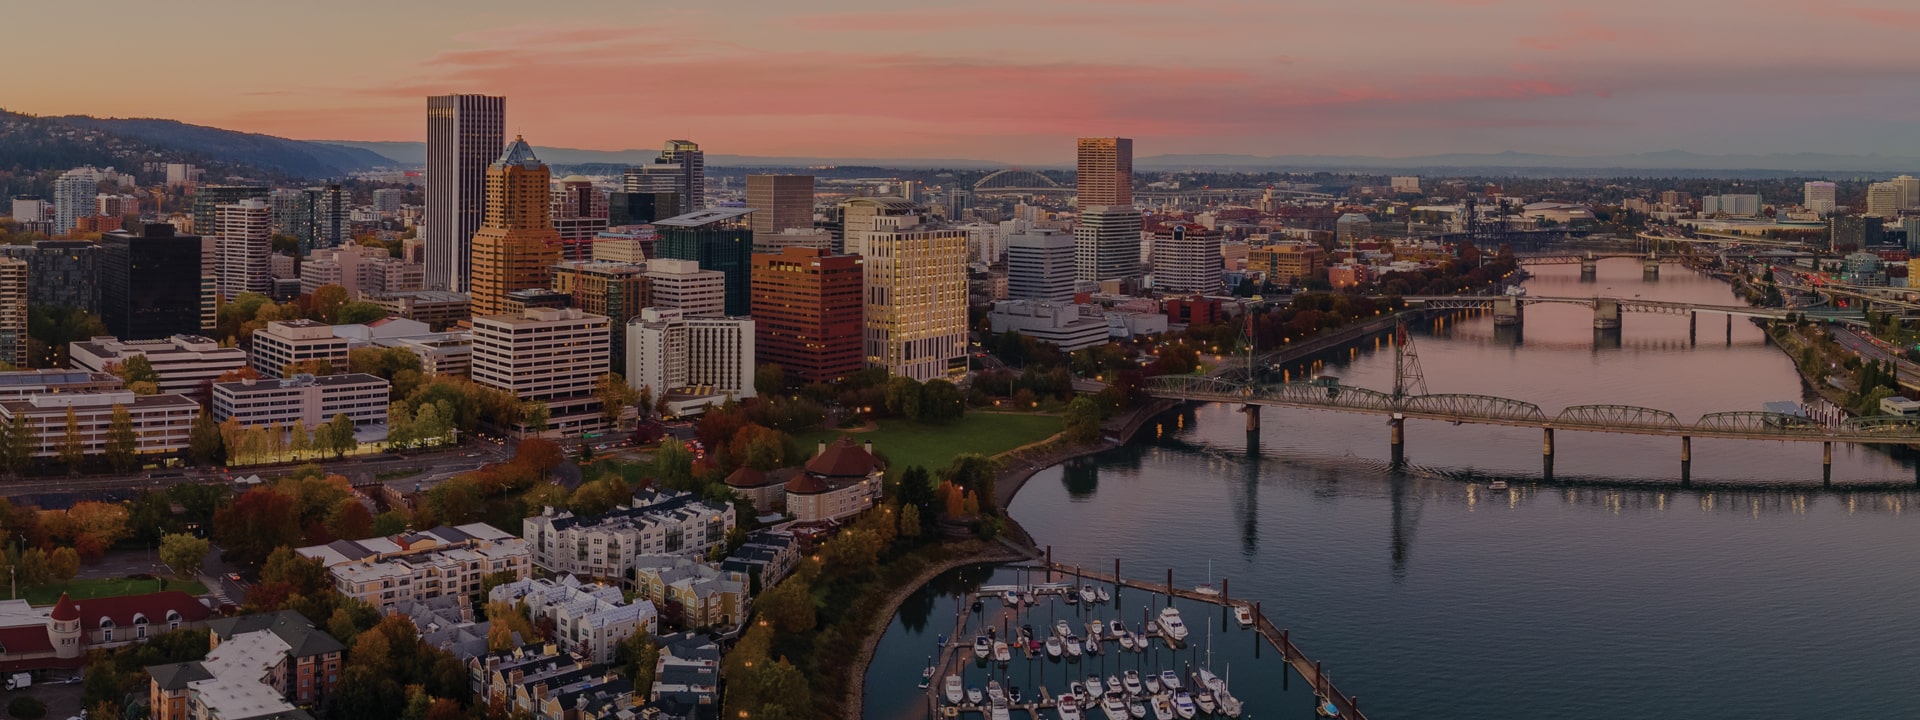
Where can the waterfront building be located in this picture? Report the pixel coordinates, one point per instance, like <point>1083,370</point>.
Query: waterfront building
<point>842,480</point>
<point>1105,173</point>
<point>516,245</point>
<point>150,282</point>
<point>807,313</point>
<point>464,134</point>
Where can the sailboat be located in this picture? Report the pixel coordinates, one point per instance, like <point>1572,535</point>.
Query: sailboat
<point>926,675</point>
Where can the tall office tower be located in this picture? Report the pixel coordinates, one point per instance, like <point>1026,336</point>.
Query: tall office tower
<point>550,355</point>
<point>1909,191</point>
<point>781,202</point>
<point>861,216</point>
<point>680,356</point>
<point>720,240</point>
<point>693,172</point>
<point>13,311</point>
<point>1105,174</point>
<point>616,290</point>
<point>910,190</point>
<point>807,313</point>
<point>150,282</point>
<point>245,242</point>
<point>1186,259</point>
<point>73,195</point>
<point>579,216</point>
<point>1820,197</point>
<point>61,273</point>
<point>207,200</point>
<point>1883,200</point>
<point>516,245</point>
<point>464,134</point>
<point>1106,244</point>
<point>682,284</point>
<point>1040,266</point>
<point>916,302</point>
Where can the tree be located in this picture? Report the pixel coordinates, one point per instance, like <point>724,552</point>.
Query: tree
<point>788,605</point>
<point>1083,420</point>
<point>204,442</point>
<point>673,464</point>
<point>137,369</point>
<point>339,436</point>
<point>537,416</point>
<point>327,301</point>
<point>769,379</point>
<point>910,523</point>
<point>27,707</point>
<point>615,395</point>
<point>391,522</point>
<point>122,442</point>
<point>975,472</point>
<point>183,553</point>
<point>903,397</point>
<point>251,526</point>
<point>360,312</point>
<point>941,402</point>
<point>299,439</point>
<point>17,445</point>
<point>72,451</point>
<point>636,656</point>
<point>63,564</point>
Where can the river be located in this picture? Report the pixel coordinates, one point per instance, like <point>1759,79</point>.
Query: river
<point>1611,592</point>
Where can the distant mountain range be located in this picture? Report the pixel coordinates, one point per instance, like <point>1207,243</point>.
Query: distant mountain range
<point>415,153</point>
<point>298,158</point>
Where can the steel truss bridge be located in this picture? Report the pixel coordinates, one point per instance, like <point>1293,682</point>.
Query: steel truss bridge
<point>1484,302</point>
<point>1489,410</point>
<point>1581,258</point>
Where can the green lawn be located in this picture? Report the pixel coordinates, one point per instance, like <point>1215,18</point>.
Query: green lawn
<point>907,443</point>
<point>49,593</point>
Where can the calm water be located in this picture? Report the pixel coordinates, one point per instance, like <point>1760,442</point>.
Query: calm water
<point>1610,593</point>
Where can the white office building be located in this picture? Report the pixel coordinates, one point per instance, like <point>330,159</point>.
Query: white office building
<point>161,422</point>
<point>681,284</point>
<point>307,400</point>
<point>1106,244</point>
<point>550,355</point>
<point>284,342</point>
<point>1040,265</point>
<point>1186,259</point>
<point>1820,197</point>
<point>186,364</point>
<point>686,358</point>
<point>1057,323</point>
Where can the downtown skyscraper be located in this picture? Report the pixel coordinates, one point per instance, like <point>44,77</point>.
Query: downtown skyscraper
<point>464,134</point>
<point>1105,173</point>
<point>516,246</point>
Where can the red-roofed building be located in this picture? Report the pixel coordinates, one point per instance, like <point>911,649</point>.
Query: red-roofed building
<point>842,480</point>
<point>59,635</point>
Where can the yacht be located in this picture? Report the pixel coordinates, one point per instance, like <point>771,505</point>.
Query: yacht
<point>1171,627</point>
<point>981,647</point>
<point>1132,682</point>
<point>1151,682</point>
<point>1001,653</point>
<point>994,693</point>
<point>1094,688</point>
<point>1068,706</point>
<point>953,690</point>
<point>1093,646</point>
<point>1114,685</point>
<point>1100,594</point>
<point>1497,486</point>
<point>1077,689</point>
<point>1243,614</point>
<point>1204,698</point>
<point>1170,680</point>
<point>1094,627</point>
<point>973,696</point>
<point>1073,646</point>
<point>1113,706</point>
<point>1053,646</point>
<point>1205,678</point>
<point>1061,628</point>
<point>1136,709</point>
<point>1229,705</point>
<point>1183,705</point>
<point>1087,595</point>
<point>1010,599</point>
<point>1162,709</point>
<point>1126,640</point>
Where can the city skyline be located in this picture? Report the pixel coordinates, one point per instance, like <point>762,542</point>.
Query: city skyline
<point>1017,82</point>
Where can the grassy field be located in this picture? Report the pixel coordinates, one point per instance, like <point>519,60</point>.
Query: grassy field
<point>49,593</point>
<point>907,443</point>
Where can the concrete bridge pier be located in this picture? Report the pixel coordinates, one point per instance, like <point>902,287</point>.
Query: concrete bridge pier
<point>1729,330</point>
<point>1606,314</point>
<point>1650,267</point>
<point>1693,322</point>
<point>1507,311</point>
<point>1589,267</point>
<point>1546,455</point>
<point>1398,439</point>
<point>1686,461</point>
<point>1253,417</point>
<point>1826,463</point>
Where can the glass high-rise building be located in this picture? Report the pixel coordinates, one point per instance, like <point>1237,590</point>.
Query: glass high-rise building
<point>464,134</point>
<point>150,282</point>
<point>718,239</point>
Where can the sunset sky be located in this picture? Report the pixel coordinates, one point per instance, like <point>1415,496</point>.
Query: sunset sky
<point>1009,80</point>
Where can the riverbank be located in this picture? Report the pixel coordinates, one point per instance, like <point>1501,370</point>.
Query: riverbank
<point>971,552</point>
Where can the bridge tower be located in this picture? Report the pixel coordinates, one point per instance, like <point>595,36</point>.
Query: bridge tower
<point>1606,314</point>
<point>1408,381</point>
<point>1589,267</point>
<point>1650,267</point>
<point>1507,311</point>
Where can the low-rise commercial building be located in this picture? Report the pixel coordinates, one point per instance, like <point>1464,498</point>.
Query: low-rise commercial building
<point>1284,263</point>
<point>1057,323</point>
<point>306,399</point>
<point>162,422</point>
<point>285,342</point>
<point>186,364</point>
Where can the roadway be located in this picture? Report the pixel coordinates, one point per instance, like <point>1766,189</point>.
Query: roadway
<point>361,469</point>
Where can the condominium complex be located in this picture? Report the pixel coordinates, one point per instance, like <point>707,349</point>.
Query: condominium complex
<point>1105,176</point>
<point>588,618</point>
<point>916,302</point>
<point>361,270</point>
<point>698,593</point>
<point>1040,265</point>
<point>464,134</point>
<point>261,667</point>
<point>516,245</point>
<point>244,237</point>
<point>186,364</point>
<point>60,273</point>
<point>781,203</point>
<point>150,282</point>
<point>161,422</point>
<point>683,285</point>
<point>688,359</point>
<point>1186,259</point>
<point>550,355</point>
<point>14,294</point>
<point>604,546</point>
<point>807,313</point>
<point>388,572</point>
<point>306,400</point>
<point>1106,243</point>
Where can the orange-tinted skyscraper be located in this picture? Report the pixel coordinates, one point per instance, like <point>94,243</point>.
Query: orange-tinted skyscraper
<point>1105,172</point>
<point>808,314</point>
<point>517,245</point>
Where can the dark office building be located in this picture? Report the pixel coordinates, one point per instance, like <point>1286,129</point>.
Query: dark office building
<point>207,198</point>
<point>61,273</point>
<point>640,208</point>
<point>150,282</point>
<point>719,239</point>
<point>1857,231</point>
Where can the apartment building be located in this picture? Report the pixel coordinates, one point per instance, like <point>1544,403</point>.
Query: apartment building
<point>604,546</point>
<point>390,572</point>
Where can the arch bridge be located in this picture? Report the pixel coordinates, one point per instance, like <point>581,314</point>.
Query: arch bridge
<point>1018,181</point>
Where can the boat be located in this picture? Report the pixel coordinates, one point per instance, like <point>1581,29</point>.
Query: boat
<point>981,647</point>
<point>1061,629</point>
<point>1497,486</point>
<point>953,690</point>
<point>1013,694</point>
<point>994,693</point>
<point>1151,682</point>
<point>926,674</point>
<point>1077,689</point>
<point>1170,680</point>
<point>1001,653</point>
<point>1114,685</point>
<point>1326,709</point>
<point>1026,598</point>
<point>1183,705</point>
<point>1026,631</point>
<point>973,696</point>
<point>1087,595</point>
<point>1033,646</point>
<point>1204,699</point>
<point>1132,682</point>
<point>1100,593</point>
<point>1068,706</point>
<point>1136,709</point>
<point>1113,706</point>
<point>1229,705</point>
<point>1117,628</point>
<point>1010,599</point>
<point>1094,628</point>
<point>1094,688</point>
<point>1206,679</point>
<point>1208,590</point>
<point>1000,712</point>
<point>1162,709</point>
<point>1073,646</point>
<point>941,643</point>
<point>1171,626</point>
<point>1093,646</point>
<point>1070,596</point>
<point>1243,614</point>
<point>1126,640</point>
<point>1053,646</point>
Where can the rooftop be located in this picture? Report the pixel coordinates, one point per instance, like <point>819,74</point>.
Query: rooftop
<point>705,217</point>
<point>518,153</point>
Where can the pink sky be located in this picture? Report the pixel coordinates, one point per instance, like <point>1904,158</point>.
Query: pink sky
<point>1005,79</point>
